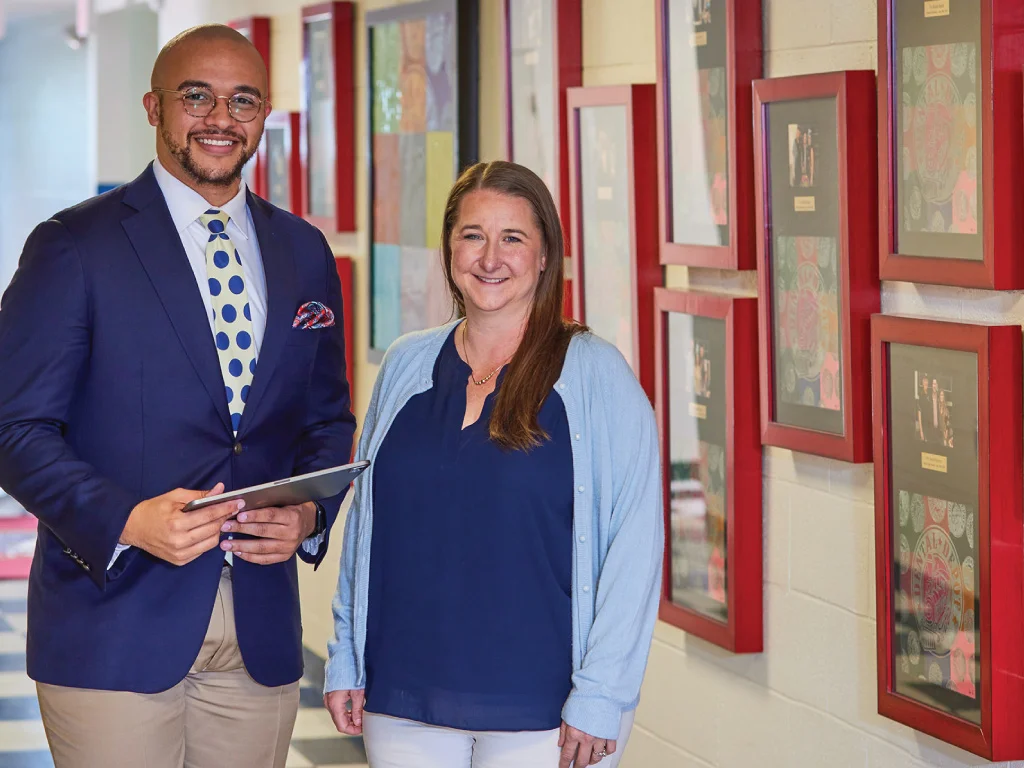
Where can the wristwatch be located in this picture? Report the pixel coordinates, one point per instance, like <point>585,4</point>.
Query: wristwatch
<point>321,520</point>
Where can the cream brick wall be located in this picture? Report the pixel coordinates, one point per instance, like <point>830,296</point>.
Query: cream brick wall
<point>809,699</point>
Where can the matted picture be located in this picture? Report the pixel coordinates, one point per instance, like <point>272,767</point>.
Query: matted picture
<point>803,141</point>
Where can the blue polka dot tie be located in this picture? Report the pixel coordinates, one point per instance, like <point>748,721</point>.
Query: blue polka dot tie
<point>232,318</point>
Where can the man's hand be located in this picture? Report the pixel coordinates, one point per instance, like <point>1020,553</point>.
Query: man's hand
<point>581,747</point>
<point>161,528</point>
<point>350,722</point>
<point>281,531</point>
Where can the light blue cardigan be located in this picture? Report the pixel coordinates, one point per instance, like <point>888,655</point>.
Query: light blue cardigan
<point>618,524</point>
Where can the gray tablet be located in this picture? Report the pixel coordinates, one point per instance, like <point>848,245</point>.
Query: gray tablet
<point>292,490</point>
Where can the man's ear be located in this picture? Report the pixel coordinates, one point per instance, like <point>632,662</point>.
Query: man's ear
<point>152,104</point>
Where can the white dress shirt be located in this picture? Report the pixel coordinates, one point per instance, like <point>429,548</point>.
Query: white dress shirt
<point>186,206</point>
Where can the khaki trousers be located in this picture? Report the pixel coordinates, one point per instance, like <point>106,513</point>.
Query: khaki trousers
<point>217,717</point>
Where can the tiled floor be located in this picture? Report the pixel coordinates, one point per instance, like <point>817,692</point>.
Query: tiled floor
<point>315,742</point>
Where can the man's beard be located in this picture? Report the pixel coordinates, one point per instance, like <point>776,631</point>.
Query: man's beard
<point>183,154</point>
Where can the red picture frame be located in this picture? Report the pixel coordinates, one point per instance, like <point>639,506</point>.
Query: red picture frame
<point>1000,539</point>
<point>641,178</point>
<point>257,30</point>
<point>1001,60</point>
<point>346,273</point>
<point>743,632</point>
<point>857,268</point>
<point>743,65</point>
<point>343,28</point>
<point>291,124</point>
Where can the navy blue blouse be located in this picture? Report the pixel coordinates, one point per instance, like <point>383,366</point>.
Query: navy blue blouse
<point>469,615</point>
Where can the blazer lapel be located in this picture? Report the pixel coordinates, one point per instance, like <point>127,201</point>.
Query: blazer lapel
<point>279,268</point>
<point>158,245</point>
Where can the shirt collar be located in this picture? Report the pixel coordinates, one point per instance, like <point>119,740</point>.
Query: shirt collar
<point>186,205</point>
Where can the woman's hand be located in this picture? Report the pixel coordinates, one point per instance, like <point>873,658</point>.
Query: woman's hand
<point>581,747</point>
<point>350,722</point>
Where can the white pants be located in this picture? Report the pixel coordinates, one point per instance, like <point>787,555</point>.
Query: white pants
<point>395,743</point>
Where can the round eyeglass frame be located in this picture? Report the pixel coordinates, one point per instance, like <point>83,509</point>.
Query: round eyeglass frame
<point>182,93</point>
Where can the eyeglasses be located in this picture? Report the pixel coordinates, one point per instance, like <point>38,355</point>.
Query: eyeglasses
<point>200,102</point>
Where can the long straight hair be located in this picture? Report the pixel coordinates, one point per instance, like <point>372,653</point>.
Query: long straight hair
<point>537,363</point>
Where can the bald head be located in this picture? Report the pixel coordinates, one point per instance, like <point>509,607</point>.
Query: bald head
<point>207,41</point>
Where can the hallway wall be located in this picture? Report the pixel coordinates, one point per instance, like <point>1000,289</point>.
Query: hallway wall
<point>809,699</point>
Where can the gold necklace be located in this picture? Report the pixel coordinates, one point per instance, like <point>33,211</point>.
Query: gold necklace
<point>465,348</point>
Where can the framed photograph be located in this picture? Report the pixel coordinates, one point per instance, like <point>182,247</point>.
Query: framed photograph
<point>949,540</point>
<point>708,54</point>
<point>613,217</point>
<point>328,141</point>
<point>816,260</point>
<point>346,274</point>
<point>544,58</point>
<point>257,30</point>
<point>707,404</point>
<point>951,141</point>
<point>423,93</point>
<point>281,161</point>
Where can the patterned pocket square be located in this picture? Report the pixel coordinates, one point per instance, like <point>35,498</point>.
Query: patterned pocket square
<point>313,315</point>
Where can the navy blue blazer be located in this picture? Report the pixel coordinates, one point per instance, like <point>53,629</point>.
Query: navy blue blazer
<point>111,393</point>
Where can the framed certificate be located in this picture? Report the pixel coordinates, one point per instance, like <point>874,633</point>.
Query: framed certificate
<point>327,140</point>
<point>949,540</point>
<point>951,141</point>
<point>708,53</point>
<point>423,89</point>
<point>257,30</point>
<point>281,161</point>
<point>707,404</point>
<point>816,260</point>
<point>613,217</point>
<point>347,276</point>
<point>544,46</point>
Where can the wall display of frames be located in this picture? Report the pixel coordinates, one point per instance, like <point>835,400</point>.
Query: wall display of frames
<point>949,541</point>
<point>951,141</point>
<point>613,217</point>
<point>327,138</point>
<point>816,260</point>
<point>707,404</point>
<point>346,274</point>
<point>423,92</point>
<point>708,54</point>
<point>281,161</point>
<point>257,30</point>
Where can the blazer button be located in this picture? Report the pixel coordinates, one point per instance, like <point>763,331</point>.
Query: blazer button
<point>237,449</point>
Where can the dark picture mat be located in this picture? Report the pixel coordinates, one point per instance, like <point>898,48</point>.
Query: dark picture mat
<point>819,114</point>
<point>912,29</point>
<point>713,55</point>
<point>711,334</point>
<point>961,370</point>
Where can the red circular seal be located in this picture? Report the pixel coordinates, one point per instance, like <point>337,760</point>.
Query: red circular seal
<point>936,590</point>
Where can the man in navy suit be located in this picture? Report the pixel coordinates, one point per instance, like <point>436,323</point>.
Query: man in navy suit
<point>149,358</point>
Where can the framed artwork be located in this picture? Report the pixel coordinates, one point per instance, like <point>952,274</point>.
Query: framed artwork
<point>347,276</point>
<point>707,403</point>
<point>544,58</point>
<point>423,93</point>
<point>949,540</point>
<point>257,30</point>
<point>951,135</point>
<point>816,261</point>
<point>327,139</point>
<point>708,54</point>
<point>281,161</point>
<point>613,217</point>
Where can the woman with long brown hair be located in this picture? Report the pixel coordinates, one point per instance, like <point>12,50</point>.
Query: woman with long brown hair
<point>501,566</point>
